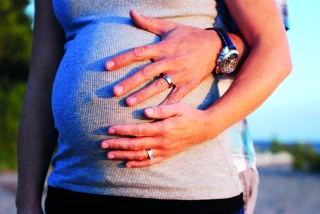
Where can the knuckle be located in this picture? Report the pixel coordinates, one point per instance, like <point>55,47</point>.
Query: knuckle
<point>128,82</point>
<point>165,46</point>
<point>162,144</point>
<point>121,59</point>
<point>162,112</point>
<point>139,131</point>
<point>162,84</point>
<point>177,96</point>
<point>139,156</point>
<point>167,144</point>
<point>135,146</point>
<point>141,96</point>
<point>148,71</point>
<point>177,58</point>
<point>136,132</point>
<point>113,145</point>
<point>149,21</point>
<point>140,51</point>
<point>165,130</point>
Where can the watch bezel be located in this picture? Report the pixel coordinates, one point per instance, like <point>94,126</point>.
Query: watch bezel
<point>223,57</point>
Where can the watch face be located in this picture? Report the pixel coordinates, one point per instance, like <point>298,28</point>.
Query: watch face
<point>230,62</point>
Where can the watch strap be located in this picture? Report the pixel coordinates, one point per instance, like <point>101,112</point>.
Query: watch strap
<point>228,57</point>
<point>224,38</point>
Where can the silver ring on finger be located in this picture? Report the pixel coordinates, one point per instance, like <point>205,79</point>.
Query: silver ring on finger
<point>168,80</point>
<point>150,154</point>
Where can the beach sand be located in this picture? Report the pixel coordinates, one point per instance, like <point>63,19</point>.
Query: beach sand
<point>286,191</point>
<point>281,191</point>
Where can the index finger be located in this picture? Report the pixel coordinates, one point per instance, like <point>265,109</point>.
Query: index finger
<point>140,53</point>
<point>136,130</point>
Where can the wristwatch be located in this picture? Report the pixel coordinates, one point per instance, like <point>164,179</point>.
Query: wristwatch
<point>228,58</point>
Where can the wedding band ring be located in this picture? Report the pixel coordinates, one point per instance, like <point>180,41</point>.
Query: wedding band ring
<point>150,154</point>
<point>169,81</point>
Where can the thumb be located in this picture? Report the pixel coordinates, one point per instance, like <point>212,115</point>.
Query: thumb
<point>163,111</point>
<point>153,25</point>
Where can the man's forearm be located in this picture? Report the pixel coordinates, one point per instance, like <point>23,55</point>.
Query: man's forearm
<point>265,68</point>
<point>226,22</point>
<point>242,47</point>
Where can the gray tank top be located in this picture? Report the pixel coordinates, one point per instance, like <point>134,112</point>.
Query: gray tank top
<point>84,106</point>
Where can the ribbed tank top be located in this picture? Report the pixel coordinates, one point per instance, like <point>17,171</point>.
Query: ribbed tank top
<point>84,106</point>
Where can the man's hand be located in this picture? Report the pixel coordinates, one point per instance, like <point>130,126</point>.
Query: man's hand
<point>250,182</point>
<point>186,54</point>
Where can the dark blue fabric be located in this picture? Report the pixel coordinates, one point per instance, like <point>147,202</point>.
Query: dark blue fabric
<point>241,211</point>
<point>65,201</point>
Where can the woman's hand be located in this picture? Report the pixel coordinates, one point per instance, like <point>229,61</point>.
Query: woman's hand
<point>250,182</point>
<point>186,54</point>
<point>182,127</point>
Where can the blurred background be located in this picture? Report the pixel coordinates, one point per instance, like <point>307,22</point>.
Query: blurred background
<point>285,129</point>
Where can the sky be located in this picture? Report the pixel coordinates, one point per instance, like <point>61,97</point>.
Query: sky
<point>292,112</point>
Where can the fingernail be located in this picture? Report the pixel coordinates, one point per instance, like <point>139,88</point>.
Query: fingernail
<point>117,89</point>
<point>129,166</point>
<point>111,131</point>
<point>131,100</point>
<point>110,64</point>
<point>135,12</point>
<point>149,111</point>
<point>105,145</point>
<point>111,156</point>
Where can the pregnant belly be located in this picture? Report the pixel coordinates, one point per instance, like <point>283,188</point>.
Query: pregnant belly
<point>83,103</point>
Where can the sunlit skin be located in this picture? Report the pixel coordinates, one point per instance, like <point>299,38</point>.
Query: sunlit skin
<point>258,77</point>
<point>183,126</point>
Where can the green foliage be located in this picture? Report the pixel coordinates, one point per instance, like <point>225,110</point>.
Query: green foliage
<point>11,102</point>
<point>305,156</point>
<point>15,40</point>
<point>275,146</point>
<point>15,49</point>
